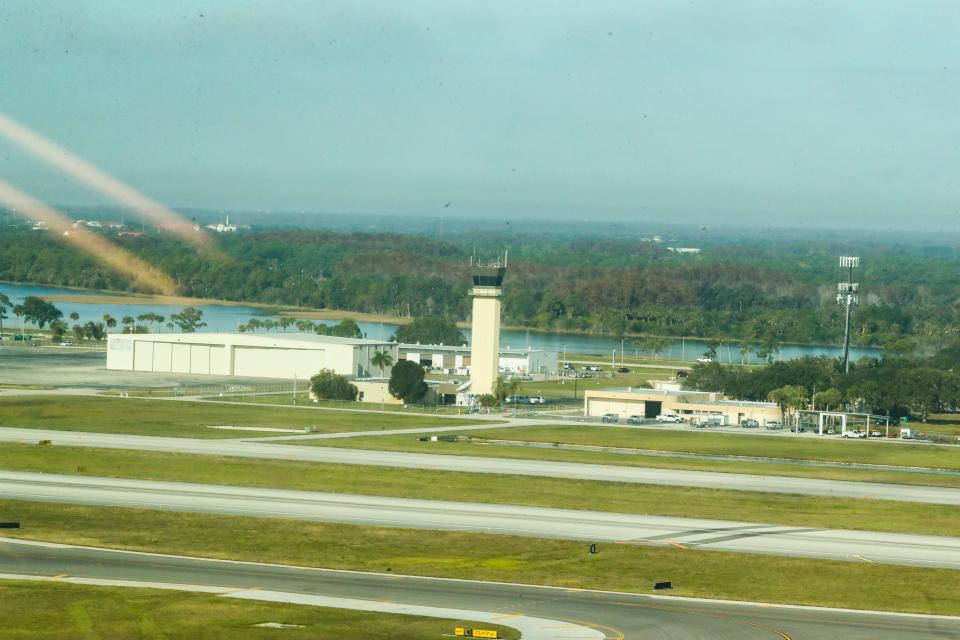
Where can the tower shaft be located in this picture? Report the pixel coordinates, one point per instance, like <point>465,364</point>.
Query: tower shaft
<point>485,329</point>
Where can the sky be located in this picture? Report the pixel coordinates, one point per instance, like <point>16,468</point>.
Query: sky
<point>832,114</point>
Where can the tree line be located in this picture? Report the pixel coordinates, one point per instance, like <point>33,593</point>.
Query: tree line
<point>893,386</point>
<point>764,293</point>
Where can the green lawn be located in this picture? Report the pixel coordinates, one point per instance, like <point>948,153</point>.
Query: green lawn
<point>620,567</point>
<point>784,509</point>
<point>188,419</point>
<point>303,399</point>
<point>839,472</point>
<point>34,610</point>
<point>725,444</point>
<point>557,389</point>
<point>944,424</point>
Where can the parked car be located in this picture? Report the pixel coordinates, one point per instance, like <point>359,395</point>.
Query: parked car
<point>635,420</point>
<point>623,370</point>
<point>704,359</point>
<point>610,417</point>
<point>682,373</point>
<point>595,367</point>
<point>526,378</point>
<point>66,343</point>
<point>669,417</point>
<point>516,399</point>
<point>854,433</point>
<point>775,425</point>
<point>536,400</point>
<point>568,366</point>
<point>749,423</point>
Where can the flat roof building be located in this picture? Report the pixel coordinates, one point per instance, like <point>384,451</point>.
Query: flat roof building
<point>689,405</point>
<point>520,361</point>
<point>282,355</point>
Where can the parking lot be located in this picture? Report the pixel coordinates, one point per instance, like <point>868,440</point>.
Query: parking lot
<point>73,367</point>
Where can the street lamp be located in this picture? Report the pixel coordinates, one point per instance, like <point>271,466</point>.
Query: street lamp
<point>848,295</point>
<point>563,363</point>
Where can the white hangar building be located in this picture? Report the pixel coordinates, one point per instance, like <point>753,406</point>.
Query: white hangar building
<point>260,355</point>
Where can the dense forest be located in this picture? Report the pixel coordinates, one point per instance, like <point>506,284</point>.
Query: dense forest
<point>760,291</point>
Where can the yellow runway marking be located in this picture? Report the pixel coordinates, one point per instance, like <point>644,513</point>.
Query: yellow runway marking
<point>507,616</point>
<point>60,575</point>
<point>677,545</point>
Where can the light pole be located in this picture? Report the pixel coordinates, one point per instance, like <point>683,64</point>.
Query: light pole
<point>563,362</point>
<point>847,295</point>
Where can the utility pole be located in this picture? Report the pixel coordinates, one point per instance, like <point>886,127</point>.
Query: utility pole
<point>848,295</point>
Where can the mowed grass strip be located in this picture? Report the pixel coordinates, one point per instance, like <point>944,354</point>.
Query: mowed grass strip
<point>407,443</point>
<point>34,610</point>
<point>774,508</point>
<point>804,447</point>
<point>189,419</point>
<point>791,447</point>
<point>618,567</point>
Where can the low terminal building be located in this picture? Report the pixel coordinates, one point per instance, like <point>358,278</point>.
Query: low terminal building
<point>456,359</point>
<point>284,355</point>
<point>699,406</point>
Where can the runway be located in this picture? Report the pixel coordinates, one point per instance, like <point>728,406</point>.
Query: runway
<point>713,535</point>
<point>507,466</point>
<point>617,615</point>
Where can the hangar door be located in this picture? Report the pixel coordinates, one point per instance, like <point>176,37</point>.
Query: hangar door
<point>278,363</point>
<point>652,408</point>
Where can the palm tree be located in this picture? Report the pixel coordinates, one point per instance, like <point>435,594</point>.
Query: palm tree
<point>381,359</point>
<point>4,305</point>
<point>128,323</point>
<point>74,316</point>
<point>745,350</point>
<point>305,325</point>
<point>506,388</point>
<point>109,320</point>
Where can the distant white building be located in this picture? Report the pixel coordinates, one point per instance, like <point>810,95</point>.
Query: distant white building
<point>283,356</point>
<point>458,358</point>
<point>687,250</point>
<point>223,227</point>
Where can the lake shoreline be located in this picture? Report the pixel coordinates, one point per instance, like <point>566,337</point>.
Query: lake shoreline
<point>108,297</point>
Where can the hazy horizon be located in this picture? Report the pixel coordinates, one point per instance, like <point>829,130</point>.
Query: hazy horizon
<point>809,116</point>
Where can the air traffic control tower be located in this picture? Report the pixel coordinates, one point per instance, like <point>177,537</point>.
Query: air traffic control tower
<point>485,329</point>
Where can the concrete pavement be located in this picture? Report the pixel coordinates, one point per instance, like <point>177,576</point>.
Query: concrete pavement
<point>507,466</point>
<point>617,615</point>
<point>714,535</point>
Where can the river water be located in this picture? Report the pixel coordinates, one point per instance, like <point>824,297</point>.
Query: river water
<point>228,317</point>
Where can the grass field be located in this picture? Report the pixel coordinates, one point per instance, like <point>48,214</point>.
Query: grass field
<point>805,447</point>
<point>784,509</point>
<point>27,387</point>
<point>620,567</point>
<point>34,610</point>
<point>944,424</point>
<point>187,419</point>
<point>557,389</point>
<point>839,472</point>
<point>302,399</point>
